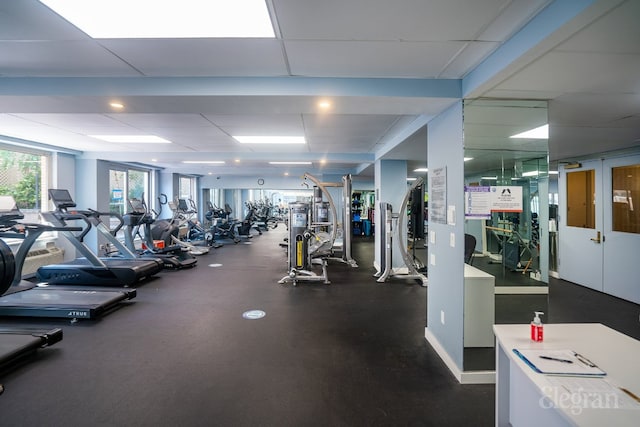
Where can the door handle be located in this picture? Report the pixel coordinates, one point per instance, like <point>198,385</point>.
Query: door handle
<point>597,239</point>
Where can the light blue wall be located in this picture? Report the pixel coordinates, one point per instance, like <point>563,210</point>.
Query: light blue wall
<point>445,293</point>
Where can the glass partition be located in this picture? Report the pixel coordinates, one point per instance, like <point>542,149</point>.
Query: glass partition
<point>507,212</point>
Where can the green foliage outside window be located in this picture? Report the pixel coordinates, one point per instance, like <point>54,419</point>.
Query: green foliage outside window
<point>20,178</point>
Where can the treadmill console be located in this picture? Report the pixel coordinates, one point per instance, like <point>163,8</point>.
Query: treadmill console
<point>61,199</point>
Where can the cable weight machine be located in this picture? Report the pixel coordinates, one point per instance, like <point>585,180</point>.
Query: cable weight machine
<point>313,231</point>
<point>392,226</point>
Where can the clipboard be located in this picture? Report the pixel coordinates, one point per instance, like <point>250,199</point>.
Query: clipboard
<point>561,362</point>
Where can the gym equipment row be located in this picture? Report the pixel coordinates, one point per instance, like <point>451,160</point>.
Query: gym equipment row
<point>85,288</point>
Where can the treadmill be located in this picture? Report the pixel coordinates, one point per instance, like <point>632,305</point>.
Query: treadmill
<point>18,344</point>
<point>125,270</point>
<point>25,299</point>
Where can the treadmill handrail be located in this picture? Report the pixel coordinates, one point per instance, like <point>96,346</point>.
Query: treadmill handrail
<point>74,216</point>
<point>115,215</point>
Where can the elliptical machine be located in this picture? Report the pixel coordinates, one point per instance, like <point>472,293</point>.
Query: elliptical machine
<point>173,256</point>
<point>220,224</point>
<point>168,230</point>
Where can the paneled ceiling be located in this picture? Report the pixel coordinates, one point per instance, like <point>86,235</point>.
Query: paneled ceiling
<point>386,67</point>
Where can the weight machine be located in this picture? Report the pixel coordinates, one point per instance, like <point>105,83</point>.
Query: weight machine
<point>313,231</point>
<point>392,226</point>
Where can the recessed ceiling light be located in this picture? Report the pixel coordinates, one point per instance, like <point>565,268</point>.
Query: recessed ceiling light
<point>323,161</point>
<point>541,132</point>
<point>286,174</point>
<point>289,163</point>
<point>116,105</point>
<point>204,162</point>
<point>324,104</point>
<point>134,139</point>
<point>411,179</point>
<point>269,139</point>
<point>163,19</point>
<point>237,160</point>
<point>466,159</point>
<point>154,160</point>
<point>421,170</point>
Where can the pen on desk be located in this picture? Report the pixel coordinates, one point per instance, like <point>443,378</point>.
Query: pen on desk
<point>584,360</point>
<point>555,359</point>
<point>630,394</point>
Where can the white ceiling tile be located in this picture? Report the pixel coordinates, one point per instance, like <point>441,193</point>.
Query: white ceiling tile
<point>73,122</point>
<point>369,59</point>
<point>202,57</point>
<point>143,120</point>
<point>578,72</point>
<point>616,32</point>
<point>413,20</point>
<point>60,59</point>
<point>31,20</point>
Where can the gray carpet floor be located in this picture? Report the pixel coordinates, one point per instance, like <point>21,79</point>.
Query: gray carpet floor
<point>351,353</point>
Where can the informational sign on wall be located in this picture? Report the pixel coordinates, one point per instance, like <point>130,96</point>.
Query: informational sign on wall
<point>480,202</point>
<point>506,198</point>
<point>438,196</point>
<point>477,202</point>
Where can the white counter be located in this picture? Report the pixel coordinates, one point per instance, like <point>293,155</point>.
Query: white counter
<point>527,398</point>
<point>479,307</point>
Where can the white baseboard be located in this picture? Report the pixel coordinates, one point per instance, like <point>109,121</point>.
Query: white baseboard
<point>522,290</point>
<point>463,377</point>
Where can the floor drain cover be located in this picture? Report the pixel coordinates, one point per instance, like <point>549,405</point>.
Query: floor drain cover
<point>215,265</point>
<point>254,314</point>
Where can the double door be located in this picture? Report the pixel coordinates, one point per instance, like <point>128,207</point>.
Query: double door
<point>599,225</point>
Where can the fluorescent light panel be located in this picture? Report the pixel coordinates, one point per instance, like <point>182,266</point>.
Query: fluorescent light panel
<point>421,170</point>
<point>466,159</point>
<point>490,178</point>
<point>133,139</point>
<point>411,179</point>
<point>270,139</point>
<point>289,163</point>
<point>541,132</point>
<point>204,162</point>
<point>531,173</point>
<point>115,19</point>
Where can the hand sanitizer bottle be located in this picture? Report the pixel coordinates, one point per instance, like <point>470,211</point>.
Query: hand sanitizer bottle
<point>536,327</point>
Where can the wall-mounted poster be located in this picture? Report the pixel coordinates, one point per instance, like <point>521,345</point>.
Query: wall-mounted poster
<point>506,198</point>
<point>438,196</point>
<point>477,202</point>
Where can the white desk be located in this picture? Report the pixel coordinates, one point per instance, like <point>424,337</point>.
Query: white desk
<point>526,398</point>
<point>479,307</point>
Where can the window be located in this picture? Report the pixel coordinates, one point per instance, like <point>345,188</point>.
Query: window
<point>23,175</point>
<point>125,184</point>
<point>581,208</point>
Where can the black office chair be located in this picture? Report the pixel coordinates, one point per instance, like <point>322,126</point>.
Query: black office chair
<point>469,248</point>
